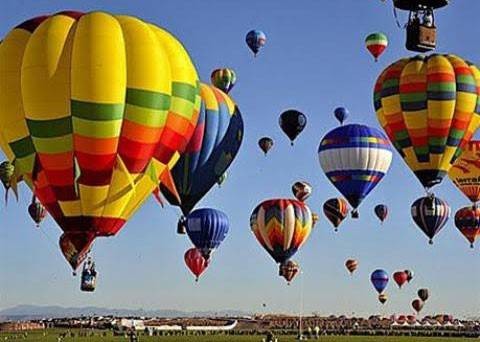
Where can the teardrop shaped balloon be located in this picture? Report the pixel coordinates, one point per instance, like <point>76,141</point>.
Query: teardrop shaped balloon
<point>207,228</point>
<point>301,190</point>
<point>423,294</point>
<point>467,220</point>
<point>336,210</point>
<point>289,270</point>
<point>265,144</point>
<point>351,265</point>
<point>341,114</point>
<point>292,122</point>
<point>105,105</point>
<point>465,172</point>
<point>417,305</point>
<point>355,158</point>
<point>381,210</point>
<point>255,40</point>
<point>214,145</point>
<point>400,278</point>
<point>222,179</point>
<point>37,212</point>
<point>376,43</point>
<point>382,298</point>
<point>409,274</point>
<point>430,214</point>
<point>406,95</point>
<point>75,247</point>
<point>379,279</point>
<point>7,170</point>
<point>195,262</point>
<point>281,226</point>
<point>224,79</point>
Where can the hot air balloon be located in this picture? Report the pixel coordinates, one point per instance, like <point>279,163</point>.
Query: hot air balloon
<point>467,220</point>
<point>195,262</point>
<point>222,179</point>
<point>255,40</point>
<point>8,178</point>
<point>430,214</point>
<point>281,226</point>
<point>75,247</point>
<point>379,279</point>
<point>409,91</point>
<point>224,79</point>
<point>465,172</point>
<point>341,114</point>
<point>93,114</point>
<point>409,275</point>
<point>301,190</point>
<point>400,278</point>
<point>289,270</point>
<point>265,144</point>
<point>381,210</point>
<point>423,294</point>
<point>382,298</point>
<point>355,158</point>
<point>292,122</point>
<point>207,228</point>
<point>315,219</point>
<point>215,143</point>
<point>336,210</point>
<point>376,43</point>
<point>37,212</point>
<point>351,265</point>
<point>417,305</point>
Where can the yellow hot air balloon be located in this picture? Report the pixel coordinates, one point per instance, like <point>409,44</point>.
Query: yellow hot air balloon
<point>95,108</point>
<point>430,108</point>
<point>465,173</point>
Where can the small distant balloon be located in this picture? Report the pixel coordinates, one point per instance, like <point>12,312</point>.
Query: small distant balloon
<point>336,210</point>
<point>289,270</point>
<point>379,279</point>
<point>409,274</point>
<point>37,212</point>
<point>195,262</point>
<point>341,114</point>
<point>292,122</point>
<point>381,210</point>
<point>376,43</point>
<point>265,144</point>
<point>301,190</point>
<point>351,265</point>
<point>382,298</point>
<point>430,214</point>
<point>467,221</point>
<point>417,305</point>
<point>400,278</point>
<point>224,79</point>
<point>255,39</point>
<point>423,294</point>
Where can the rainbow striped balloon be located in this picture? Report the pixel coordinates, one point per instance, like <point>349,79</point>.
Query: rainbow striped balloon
<point>429,107</point>
<point>94,109</point>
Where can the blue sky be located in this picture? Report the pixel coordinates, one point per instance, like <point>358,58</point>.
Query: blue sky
<point>314,60</point>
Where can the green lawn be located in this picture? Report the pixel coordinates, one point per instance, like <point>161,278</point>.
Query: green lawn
<point>52,335</point>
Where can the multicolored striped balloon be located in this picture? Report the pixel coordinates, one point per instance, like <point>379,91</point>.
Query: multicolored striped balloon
<point>430,214</point>
<point>465,172</point>
<point>336,210</point>
<point>95,109</point>
<point>355,158</point>
<point>281,226</point>
<point>214,144</point>
<point>376,43</point>
<point>429,106</point>
<point>467,220</point>
<point>224,79</point>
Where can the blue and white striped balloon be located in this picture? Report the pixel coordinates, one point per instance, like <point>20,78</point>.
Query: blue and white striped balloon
<point>355,158</point>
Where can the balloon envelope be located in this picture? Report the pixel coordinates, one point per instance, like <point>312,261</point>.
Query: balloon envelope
<point>351,265</point>
<point>292,122</point>
<point>417,305</point>
<point>430,214</point>
<point>381,210</point>
<point>400,278</point>
<point>224,79</point>
<point>379,279</point>
<point>281,226</point>
<point>341,114</point>
<point>423,294</point>
<point>301,190</point>
<point>255,40</point>
<point>265,144</point>
<point>214,144</point>
<point>336,210</point>
<point>467,220</point>
<point>355,158</point>
<point>207,228</point>
<point>465,172</point>
<point>409,91</point>
<point>195,262</point>
<point>376,43</point>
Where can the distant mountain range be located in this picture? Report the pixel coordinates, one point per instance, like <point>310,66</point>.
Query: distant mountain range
<point>26,312</point>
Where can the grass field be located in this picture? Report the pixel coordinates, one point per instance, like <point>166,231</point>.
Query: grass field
<point>52,336</point>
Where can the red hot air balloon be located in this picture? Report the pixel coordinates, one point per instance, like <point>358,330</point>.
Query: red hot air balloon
<point>400,278</point>
<point>75,246</point>
<point>195,262</point>
<point>467,220</point>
